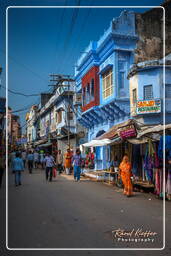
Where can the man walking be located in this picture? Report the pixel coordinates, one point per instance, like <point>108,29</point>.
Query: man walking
<point>59,161</point>
<point>30,159</point>
<point>49,163</point>
<point>24,156</point>
<point>18,167</point>
<point>76,160</point>
<point>36,159</point>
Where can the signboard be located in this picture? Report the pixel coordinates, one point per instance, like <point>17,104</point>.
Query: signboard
<point>148,106</point>
<point>22,141</point>
<point>128,131</point>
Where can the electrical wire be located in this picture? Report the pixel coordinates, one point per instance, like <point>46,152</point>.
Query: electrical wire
<point>80,34</point>
<point>68,36</point>
<point>19,93</point>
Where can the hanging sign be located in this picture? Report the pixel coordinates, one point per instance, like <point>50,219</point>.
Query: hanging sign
<point>148,106</point>
<point>128,131</point>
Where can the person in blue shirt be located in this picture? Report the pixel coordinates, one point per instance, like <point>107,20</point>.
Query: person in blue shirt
<point>18,167</point>
<point>30,158</point>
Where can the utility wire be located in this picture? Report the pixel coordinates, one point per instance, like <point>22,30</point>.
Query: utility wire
<point>24,66</point>
<point>68,37</point>
<point>81,32</point>
<point>19,93</point>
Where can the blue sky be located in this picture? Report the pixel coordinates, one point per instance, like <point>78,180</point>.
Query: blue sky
<point>50,40</point>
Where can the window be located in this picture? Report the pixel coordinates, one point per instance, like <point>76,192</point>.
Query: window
<point>121,80</point>
<point>59,116</point>
<point>134,96</point>
<point>88,93</point>
<point>148,92</point>
<point>107,82</point>
<point>84,96</point>
<point>168,91</point>
<point>92,90</point>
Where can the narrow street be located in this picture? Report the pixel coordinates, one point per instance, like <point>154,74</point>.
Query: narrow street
<point>67,214</point>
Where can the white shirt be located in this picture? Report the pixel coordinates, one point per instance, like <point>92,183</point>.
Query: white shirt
<point>36,156</point>
<point>23,154</point>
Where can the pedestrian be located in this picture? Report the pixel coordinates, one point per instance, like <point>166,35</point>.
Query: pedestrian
<point>2,166</point>
<point>59,161</point>
<point>18,167</point>
<point>30,159</point>
<point>76,161</point>
<point>125,174</point>
<point>49,164</point>
<point>36,159</point>
<point>24,156</point>
<point>67,158</point>
<point>42,158</point>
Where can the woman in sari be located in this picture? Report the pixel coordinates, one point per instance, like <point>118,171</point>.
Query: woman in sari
<point>126,174</point>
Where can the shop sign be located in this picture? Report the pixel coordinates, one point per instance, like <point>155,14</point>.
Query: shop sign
<point>22,141</point>
<point>128,132</point>
<point>148,106</point>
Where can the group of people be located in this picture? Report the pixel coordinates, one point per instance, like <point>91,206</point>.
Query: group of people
<point>67,162</point>
<point>35,159</point>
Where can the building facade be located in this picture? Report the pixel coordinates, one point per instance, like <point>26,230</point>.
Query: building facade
<point>150,92</point>
<point>101,76</point>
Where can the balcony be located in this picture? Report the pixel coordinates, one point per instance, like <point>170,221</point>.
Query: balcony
<point>65,90</point>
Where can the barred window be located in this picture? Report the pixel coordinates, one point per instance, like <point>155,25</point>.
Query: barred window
<point>107,82</point>
<point>148,92</point>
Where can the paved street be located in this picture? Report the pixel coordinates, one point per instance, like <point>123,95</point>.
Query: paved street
<point>67,214</point>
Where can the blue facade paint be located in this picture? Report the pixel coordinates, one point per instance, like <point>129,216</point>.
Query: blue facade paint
<point>113,50</point>
<point>153,75</point>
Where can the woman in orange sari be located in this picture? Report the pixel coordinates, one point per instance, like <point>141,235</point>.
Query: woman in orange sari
<point>67,161</point>
<point>126,174</point>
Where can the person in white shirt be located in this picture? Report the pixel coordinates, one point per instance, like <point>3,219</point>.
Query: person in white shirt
<point>49,163</point>
<point>36,159</point>
<point>24,156</point>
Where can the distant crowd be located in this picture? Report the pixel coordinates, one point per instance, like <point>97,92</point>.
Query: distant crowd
<point>68,162</point>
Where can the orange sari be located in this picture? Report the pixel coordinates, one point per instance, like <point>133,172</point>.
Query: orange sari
<point>67,157</point>
<point>126,174</point>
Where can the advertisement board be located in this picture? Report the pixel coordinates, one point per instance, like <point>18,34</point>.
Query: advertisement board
<point>148,106</point>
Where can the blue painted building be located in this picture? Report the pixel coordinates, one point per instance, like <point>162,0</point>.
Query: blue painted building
<point>101,77</point>
<point>147,91</point>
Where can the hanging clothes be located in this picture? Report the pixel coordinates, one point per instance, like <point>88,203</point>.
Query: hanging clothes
<point>168,185</point>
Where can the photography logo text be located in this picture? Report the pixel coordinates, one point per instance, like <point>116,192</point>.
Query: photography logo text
<point>133,235</point>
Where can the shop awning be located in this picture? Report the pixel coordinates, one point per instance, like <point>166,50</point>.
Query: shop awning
<point>155,129</point>
<point>45,145</point>
<point>110,137</point>
<point>113,131</point>
<point>40,142</point>
<point>96,143</point>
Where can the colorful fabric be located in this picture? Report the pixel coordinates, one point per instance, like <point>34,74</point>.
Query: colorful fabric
<point>126,174</point>
<point>68,157</point>
<point>168,184</point>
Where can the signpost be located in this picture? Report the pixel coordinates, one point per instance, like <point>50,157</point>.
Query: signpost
<point>148,106</point>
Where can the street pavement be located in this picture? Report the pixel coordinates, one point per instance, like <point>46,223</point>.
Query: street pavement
<point>67,214</point>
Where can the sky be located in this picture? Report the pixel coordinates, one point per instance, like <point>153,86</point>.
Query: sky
<point>44,41</point>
